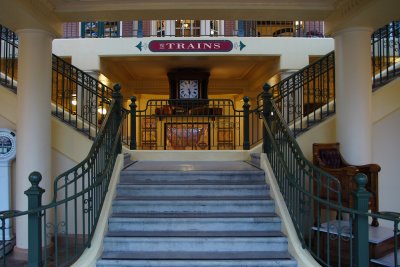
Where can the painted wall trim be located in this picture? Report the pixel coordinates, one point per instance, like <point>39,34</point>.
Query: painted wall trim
<point>90,255</point>
<point>302,256</point>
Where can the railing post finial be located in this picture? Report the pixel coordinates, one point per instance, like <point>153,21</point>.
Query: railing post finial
<point>246,123</point>
<point>133,106</point>
<point>361,198</point>
<point>34,194</point>
<point>267,110</point>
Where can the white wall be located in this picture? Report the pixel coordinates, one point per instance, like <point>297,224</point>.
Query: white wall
<point>386,152</point>
<point>86,53</point>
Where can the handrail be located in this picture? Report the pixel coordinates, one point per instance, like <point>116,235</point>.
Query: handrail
<point>78,99</point>
<point>300,183</point>
<point>71,217</point>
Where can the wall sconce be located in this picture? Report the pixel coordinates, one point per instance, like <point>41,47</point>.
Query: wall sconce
<point>102,110</point>
<point>74,102</point>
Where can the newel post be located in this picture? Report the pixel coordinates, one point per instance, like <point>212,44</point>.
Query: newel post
<point>361,197</point>
<point>34,194</point>
<point>267,110</point>
<point>246,123</point>
<point>117,96</point>
<point>133,106</point>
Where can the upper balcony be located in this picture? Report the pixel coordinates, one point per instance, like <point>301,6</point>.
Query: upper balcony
<point>193,28</point>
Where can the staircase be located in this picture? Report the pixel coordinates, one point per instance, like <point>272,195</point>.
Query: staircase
<point>194,214</point>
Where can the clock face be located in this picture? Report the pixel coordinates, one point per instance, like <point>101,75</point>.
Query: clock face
<point>188,89</point>
<point>7,146</point>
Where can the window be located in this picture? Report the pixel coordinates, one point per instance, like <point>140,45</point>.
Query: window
<point>160,24</point>
<point>100,29</point>
<point>187,27</point>
<point>214,27</point>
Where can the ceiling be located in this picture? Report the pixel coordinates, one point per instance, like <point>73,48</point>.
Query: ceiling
<point>338,14</point>
<point>149,74</point>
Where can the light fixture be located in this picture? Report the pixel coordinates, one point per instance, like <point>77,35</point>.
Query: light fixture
<point>212,32</point>
<point>74,102</point>
<point>185,25</point>
<point>102,110</point>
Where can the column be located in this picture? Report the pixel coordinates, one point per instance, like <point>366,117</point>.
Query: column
<point>354,94</point>
<point>33,120</point>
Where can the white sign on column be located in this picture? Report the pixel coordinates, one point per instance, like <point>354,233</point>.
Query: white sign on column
<point>7,155</point>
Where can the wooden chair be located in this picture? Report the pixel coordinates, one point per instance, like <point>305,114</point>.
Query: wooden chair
<point>328,158</point>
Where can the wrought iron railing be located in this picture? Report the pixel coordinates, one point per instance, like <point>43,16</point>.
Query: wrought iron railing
<point>63,229</point>
<point>304,99</point>
<point>385,44</point>
<point>194,28</point>
<point>8,57</point>
<point>174,124</point>
<point>335,235</point>
<point>78,99</point>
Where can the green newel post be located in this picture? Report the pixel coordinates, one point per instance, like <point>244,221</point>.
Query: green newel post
<point>133,106</point>
<point>117,96</point>
<point>34,194</point>
<point>267,109</point>
<point>361,197</point>
<point>246,123</point>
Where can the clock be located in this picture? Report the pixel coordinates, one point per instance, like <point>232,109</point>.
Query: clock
<point>188,84</point>
<point>188,89</point>
<point>7,145</point>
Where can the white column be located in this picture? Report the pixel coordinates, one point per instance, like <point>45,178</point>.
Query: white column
<point>354,94</point>
<point>33,120</point>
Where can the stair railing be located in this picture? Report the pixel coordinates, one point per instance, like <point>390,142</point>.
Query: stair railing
<point>59,232</point>
<point>8,57</point>
<point>304,99</point>
<point>332,242</point>
<point>78,99</point>
<point>385,43</point>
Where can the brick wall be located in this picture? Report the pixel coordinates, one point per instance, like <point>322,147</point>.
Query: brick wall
<point>71,30</point>
<point>229,27</point>
<point>127,29</point>
<point>146,28</point>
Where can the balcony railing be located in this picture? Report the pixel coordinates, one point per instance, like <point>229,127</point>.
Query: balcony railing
<point>194,28</point>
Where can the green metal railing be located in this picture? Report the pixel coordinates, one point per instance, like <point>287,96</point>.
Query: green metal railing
<point>176,124</point>
<point>385,43</point>
<point>78,99</point>
<point>332,242</point>
<point>59,232</point>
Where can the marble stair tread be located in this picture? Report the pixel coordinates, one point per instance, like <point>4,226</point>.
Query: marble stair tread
<point>181,255</point>
<point>189,198</point>
<point>387,260</point>
<point>193,214</point>
<point>131,181</point>
<point>376,234</point>
<point>193,166</point>
<point>196,234</point>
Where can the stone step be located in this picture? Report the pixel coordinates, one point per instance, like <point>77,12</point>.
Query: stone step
<point>192,190</point>
<point>266,223</point>
<point>193,177</point>
<point>191,259</point>
<point>221,233</point>
<point>185,205</point>
<point>195,244</point>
